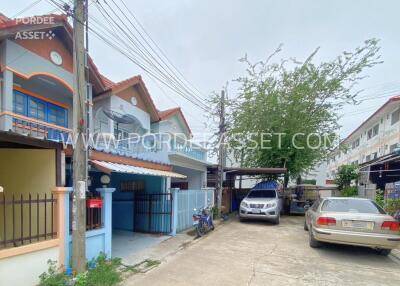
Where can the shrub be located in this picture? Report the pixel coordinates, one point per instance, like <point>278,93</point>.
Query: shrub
<point>379,198</point>
<point>345,175</point>
<point>393,205</point>
<point>53,276</point>
<point>106,272</point>
<point>350,192</point>
<point>102,272</point>
<point>215,212</point>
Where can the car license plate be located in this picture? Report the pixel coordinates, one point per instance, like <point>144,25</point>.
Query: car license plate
<point>358,224</point>
<point>256,211</point>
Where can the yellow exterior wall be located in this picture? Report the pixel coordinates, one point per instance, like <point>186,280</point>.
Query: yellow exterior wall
<point>24,171</point>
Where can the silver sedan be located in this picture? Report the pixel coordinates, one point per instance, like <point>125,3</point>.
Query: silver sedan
<point>352,221</point>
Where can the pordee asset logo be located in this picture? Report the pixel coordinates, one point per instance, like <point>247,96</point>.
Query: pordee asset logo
<point>35,35</point>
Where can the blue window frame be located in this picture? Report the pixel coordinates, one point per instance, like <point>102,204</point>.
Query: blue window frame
<point>39,109</point>
<point>42,110</point>
<point>19,103</point>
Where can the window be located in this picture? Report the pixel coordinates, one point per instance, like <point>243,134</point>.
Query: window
<point>315,206</point>
<point>121,134</point>
<point>57,115</point>
<point>374,155</point>
<point>373,131</point>
<point>395,116</point>
<point>39,109</point>
<point>355,143</point>
<point>262,194</point>
<point>354,162</point>
<point>351,205</point>
<point>19,103</point>
<point>368,158</point>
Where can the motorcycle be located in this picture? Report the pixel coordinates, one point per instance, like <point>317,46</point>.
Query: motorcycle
<point>202,221</point>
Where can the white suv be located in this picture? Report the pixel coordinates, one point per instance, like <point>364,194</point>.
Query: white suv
<point>261,204</point>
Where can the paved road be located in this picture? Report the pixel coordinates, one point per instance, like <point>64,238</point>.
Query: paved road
<point>257,253</point>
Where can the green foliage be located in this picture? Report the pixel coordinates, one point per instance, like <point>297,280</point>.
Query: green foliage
<point>379,198</point>
<point>106,272</point>
<point>292,97</point>
<point>350,192</point>
<point>393,205</point>
<point>345,175</point>
<point>310,182</point>
<point>53,276</point>
<point>215,212</point>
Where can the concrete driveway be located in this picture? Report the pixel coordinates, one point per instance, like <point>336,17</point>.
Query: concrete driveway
<point>258,253</point>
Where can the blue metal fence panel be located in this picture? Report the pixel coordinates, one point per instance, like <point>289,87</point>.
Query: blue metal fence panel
<point>188,200</point>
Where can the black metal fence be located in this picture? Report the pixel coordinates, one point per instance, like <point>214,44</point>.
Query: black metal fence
<point>26,219</point>
<point>153,212</point>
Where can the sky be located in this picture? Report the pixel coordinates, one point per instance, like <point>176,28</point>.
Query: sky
<point>205,40</point>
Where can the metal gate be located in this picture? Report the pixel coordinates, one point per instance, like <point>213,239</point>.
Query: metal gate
<point>153,213</point>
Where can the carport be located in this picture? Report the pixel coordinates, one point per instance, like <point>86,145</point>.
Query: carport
<point>238,182</point>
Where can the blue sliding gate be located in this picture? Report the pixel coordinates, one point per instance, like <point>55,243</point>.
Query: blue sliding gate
<point>153,213</point>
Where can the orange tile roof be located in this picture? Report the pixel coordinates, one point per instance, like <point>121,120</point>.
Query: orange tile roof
<point>107,82</point>
<point>165,114</point>
<point>14,26</point>
<point>131,81</point>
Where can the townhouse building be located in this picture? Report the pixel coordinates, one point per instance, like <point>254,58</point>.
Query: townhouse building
<point>371,145</point>
<point>133,184</point>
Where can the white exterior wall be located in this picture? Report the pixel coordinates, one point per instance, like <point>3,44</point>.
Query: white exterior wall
<point>388,136</point>
<point>122,106</point>
<point>24,269</point>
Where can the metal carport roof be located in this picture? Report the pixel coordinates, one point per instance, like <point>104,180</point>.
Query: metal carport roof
<point>109,167</point>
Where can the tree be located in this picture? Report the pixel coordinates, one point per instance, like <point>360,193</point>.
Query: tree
<point>345,175</point>
<point>286,114</point>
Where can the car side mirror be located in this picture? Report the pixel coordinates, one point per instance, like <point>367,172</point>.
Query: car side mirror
<point>306,207</point>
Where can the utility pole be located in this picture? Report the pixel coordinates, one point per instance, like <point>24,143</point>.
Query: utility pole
<point>80,130</point>
<point>221,151</point>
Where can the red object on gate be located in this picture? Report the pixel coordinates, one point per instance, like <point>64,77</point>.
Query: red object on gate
<point>94,203</point>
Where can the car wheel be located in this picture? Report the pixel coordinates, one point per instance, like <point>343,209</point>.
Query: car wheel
<point>241,219</point>
<point>277,220</point>
<point>384,252</point>
<point>305,226</point>
<point>313,242</point>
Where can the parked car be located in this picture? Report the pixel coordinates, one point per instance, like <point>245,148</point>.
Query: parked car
<point>261,204</point>
<point>351,221</point>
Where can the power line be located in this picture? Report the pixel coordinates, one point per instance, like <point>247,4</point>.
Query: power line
<point>157,46</point>
<point>141,65</point>
<point>149,57</point>
<point>100,34</point>
<point>27,8</point>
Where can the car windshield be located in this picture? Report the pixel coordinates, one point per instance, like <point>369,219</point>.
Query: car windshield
<point>352,205</point>
<point>262,194</point>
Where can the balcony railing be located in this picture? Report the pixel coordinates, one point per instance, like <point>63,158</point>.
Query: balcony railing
<point>154,151</point>
<point>35,128</point>
<point>190,150</point>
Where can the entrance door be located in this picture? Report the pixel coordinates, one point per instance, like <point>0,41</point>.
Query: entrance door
<point>153,213</point>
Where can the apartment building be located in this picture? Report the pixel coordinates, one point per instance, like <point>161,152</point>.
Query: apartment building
<point>376,137</point>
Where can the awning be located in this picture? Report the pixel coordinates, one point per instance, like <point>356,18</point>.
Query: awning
<point>108,167</point>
